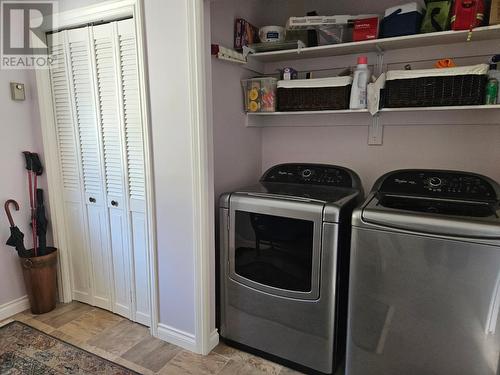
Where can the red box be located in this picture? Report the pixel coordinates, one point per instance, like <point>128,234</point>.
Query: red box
<point>365,29</point>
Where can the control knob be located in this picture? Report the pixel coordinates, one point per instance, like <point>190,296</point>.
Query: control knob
<point>435,182</point>
<point>306,173</point>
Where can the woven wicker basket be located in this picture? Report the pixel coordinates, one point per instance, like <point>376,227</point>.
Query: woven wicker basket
<point>457,86</point>
<point>314,94</point>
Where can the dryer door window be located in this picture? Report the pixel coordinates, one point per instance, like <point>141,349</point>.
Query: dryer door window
<point>274,245</point>
<point>274,251</point>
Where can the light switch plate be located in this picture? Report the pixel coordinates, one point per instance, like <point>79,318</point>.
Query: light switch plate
<point>17,91</point>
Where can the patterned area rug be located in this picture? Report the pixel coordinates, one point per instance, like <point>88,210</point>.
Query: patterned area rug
<point>26,350</point>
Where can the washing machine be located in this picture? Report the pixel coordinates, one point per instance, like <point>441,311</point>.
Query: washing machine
<point>425,276</point>
<point>285,262</point>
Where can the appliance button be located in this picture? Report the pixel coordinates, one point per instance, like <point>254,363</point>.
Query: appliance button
<point>306,173</point>
<point>435,181</point>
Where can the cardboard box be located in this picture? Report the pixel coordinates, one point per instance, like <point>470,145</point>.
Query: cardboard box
<point>365,29</point>
<point>495,12</point>
<point>244,34</point>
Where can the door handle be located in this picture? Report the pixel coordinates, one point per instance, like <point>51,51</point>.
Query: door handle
<point>114,203</point>
<point>92,200</point>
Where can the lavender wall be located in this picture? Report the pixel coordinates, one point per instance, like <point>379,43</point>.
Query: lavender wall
<point>237,150</point>
<point>463,147</point>
<point>461,144</point>
<point>20,131</point>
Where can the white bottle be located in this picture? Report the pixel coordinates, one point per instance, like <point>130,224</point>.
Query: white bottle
<point>359,84</point>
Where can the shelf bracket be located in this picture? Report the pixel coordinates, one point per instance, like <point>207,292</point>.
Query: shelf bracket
<point>379,66</point>
<point>375,132</point>
<point>300,46</point>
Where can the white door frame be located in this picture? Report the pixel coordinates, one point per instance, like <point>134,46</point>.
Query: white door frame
<point>206,336</point>
<point>108,11</point>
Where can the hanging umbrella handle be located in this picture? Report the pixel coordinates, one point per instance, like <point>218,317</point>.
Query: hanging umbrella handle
<point>7,210</point>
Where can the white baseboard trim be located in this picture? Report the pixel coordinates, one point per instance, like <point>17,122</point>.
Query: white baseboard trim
<point>213,340</point>
<point>177,337</point>
<point>14,307</point>
<point>142,318</point>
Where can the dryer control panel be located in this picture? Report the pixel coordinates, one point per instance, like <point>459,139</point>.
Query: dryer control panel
<point>310,174</point>
<point>439,184</point>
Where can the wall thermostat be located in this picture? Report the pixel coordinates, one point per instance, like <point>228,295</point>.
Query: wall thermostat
<point>17,91</point>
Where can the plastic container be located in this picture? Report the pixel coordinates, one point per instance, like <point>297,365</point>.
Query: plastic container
<point>40,278</point>
<point>360,84</point>
<point>271,34</point>
<point>494,73</point>
<point>333,34</point>
<point>491,91</point>
<point>467,14</point>
<point>259,94</point>
<point>401,20</point>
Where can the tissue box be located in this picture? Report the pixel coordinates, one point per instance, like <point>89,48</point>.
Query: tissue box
<point>401,20</point>
<point>365,29</point>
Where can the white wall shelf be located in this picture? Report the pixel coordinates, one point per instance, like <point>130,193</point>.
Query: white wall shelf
<point>443,108</point>
<point>379,45</point>
<point>395,50</point>
<point>309,118</point>
<point>465,115</point>
<point>303,113</point>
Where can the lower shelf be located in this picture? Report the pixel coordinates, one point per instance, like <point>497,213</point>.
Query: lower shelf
<point>444,108</point>
<point>465,115</point>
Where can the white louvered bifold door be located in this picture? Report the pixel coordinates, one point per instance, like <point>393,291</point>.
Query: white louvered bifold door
<point>108,87</point>
<point>100,136</point>
<point>134,153</point>
<point>81,72</point>
<point>70,169</point>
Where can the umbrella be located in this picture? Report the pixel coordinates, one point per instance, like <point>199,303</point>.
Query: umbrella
<point>16,238</point>
<point>35,169</point>
<point>41,223</point>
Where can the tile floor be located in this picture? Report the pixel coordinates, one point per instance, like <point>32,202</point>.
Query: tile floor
<point>130,344</point>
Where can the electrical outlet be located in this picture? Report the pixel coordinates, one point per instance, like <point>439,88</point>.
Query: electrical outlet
<point>17,91</point>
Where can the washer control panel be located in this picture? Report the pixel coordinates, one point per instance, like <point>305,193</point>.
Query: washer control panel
<point>438,184</point>
<point>310,174</point>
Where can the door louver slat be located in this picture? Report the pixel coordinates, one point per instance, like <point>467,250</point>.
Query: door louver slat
<point>110,125</point>
<point>133,127</point>
<point>85,113</point>
<point>64,122</point>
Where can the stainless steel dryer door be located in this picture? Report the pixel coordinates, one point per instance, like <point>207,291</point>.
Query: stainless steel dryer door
<point>275,245</point>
